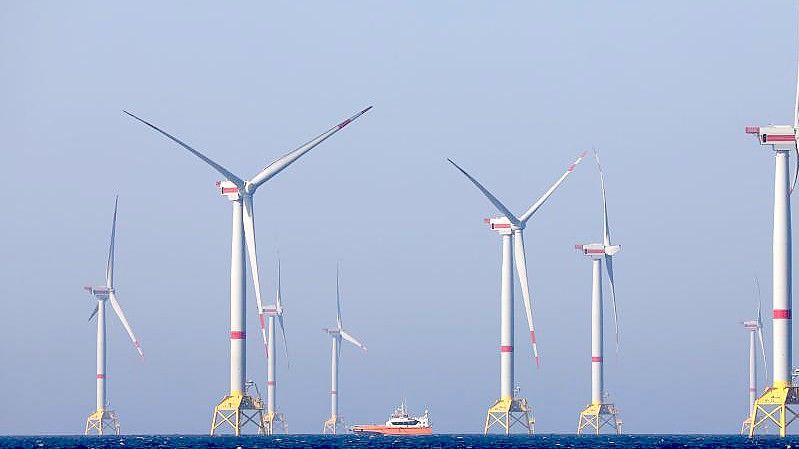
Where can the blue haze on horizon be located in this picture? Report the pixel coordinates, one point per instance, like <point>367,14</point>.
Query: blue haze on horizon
<point>512,91</point>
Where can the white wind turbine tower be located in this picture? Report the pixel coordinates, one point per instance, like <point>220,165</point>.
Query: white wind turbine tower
<point>782,398</point>
<point>103,417</point>
<point>754,327</point>
<point>337,333</point>
<point>273,311</point>
<point>510,410</point>
<point>239,408</point>
<point>600,413</point>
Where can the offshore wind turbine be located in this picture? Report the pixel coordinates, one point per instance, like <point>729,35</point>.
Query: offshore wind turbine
<point>600,413</point>
<point>754,327</point>
<point>237,408</point>
<point>273,311</point>
<point>104,417</point>
<point>782,398</point>
<point>337,334</point>
<point>508,409</point>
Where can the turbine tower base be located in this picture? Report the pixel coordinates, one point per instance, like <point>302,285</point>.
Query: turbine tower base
<point>332,424</point>
<point>595,417</point>
<point>272,418</point>
<point>777,405</point>
<point>505,413</point>
<point>237,410</point>
<point>101,420</point>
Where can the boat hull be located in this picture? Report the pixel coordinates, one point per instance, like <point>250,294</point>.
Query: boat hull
<point>389,430</point>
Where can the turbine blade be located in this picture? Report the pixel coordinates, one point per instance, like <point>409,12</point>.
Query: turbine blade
<point>338,301</point>
<point>760,327</point>
<point>109,266</point>
<point>94,312</point>
<point>498,204</point>
<point>284,161</point>
<point>285,342</point>
<point>222,170</point>
<point>605,226</point>
<point>609,268</point>
<point>249,237</point>
<point>526,216</point>
<point>521,269</point>
<point>112,298</point>
<point>279,307</point>
<point>763,351</point>
<point>352,339</point>
<point>796,100</point>
<point>795,129</point>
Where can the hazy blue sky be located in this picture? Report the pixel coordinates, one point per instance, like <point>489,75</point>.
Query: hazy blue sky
<point>512,91</point>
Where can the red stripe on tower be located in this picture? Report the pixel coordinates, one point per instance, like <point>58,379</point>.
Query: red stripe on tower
<point>596,359</point>
<point>782,314</point>
<point>238,335</point>
<point>506,349</point>
<point>333,392</point>
<point>270,382</point>
<point>101,376</point>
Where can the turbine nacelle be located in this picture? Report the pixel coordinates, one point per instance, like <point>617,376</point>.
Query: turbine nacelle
<point>101,293</point>
<point>228,189</point>
<point>597,250</point>
<point>335,332</point>
<point>751,325</point>
<point>272,311</point>
<point>780,137</point>
<point>502,225</point>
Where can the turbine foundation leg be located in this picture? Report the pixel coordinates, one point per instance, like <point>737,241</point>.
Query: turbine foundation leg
<point>332,424</point>
<point>102,422</point>
<point>236,411</point>
<point>505,413</point>
<point>271,419</point>
<point>596,417</point>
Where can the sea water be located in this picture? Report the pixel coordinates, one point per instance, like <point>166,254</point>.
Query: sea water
<point>377,441</point>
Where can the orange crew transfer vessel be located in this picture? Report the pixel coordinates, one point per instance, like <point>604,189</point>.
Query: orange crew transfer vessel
<point>400,423</point>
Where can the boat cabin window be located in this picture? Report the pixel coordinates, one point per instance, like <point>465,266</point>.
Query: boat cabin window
<point>412,422</point>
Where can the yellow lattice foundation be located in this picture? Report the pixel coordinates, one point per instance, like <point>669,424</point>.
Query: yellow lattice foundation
<point>778,405</point>
<point>236,411</point>
<point>507,412</point>
<point>102,422</point>
<point>746,425</point>
<point>271,419</point>
<point>595,417</point>
<point>332,424</point>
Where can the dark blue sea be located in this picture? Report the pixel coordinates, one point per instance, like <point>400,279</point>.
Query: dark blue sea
<point>435,441</point>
